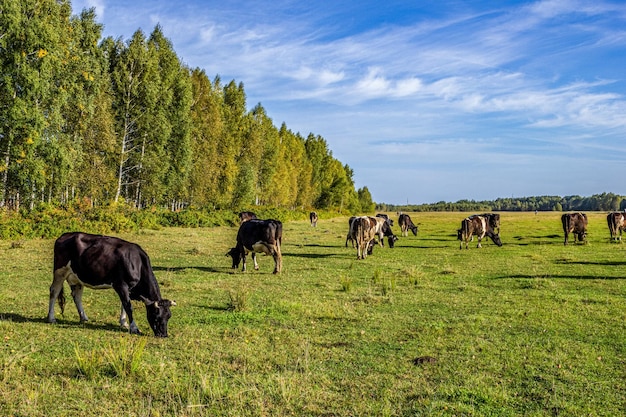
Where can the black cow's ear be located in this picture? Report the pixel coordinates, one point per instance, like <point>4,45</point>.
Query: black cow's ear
<point>146,301</point>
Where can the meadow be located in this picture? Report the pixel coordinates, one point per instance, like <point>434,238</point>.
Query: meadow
<point>533,328</point>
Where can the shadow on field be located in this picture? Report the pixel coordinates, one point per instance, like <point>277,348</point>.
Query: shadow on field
<point>308,255</point>
<point>18,318</point>
<point>182,268</point>
<point>543,276</point>
<point>599,263</point>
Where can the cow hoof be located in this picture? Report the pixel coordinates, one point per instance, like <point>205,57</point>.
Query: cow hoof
<point>49,320</point>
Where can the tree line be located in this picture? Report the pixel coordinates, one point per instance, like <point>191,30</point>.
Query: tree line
<point>107,120</point>
<point>596,202</point>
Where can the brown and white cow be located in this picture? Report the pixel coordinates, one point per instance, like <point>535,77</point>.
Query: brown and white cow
<point>575,223</point>
<point>100,262</point>
<point>363,230</point>
<point>313,218</point>
<point>617,223</point>
<point>477,225</point>
<point>406,224</point>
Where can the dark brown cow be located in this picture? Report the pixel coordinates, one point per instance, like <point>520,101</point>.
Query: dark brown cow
<point>350,237</point>
<point>244,216</point>
<point>100,262</point>
<point>386,217</point>
<point>406,224</point>
<point>258,236</point>
<point>313,218</point>
<point>575,223</point>
<point>617,223</point>
<point>479,226</point>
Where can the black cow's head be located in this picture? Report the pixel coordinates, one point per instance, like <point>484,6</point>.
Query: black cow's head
<point>496,239</point>
<point>158,315</point>
<point>392,239</point>
<point>234,253</point>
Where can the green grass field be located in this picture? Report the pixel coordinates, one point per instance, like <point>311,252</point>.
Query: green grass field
<point>533,328</point>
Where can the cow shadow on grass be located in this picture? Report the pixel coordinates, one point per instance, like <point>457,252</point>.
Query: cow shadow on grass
<point>183,268</point>
<point>544,276</point>
<point>309,255</point>
<point>18,318</point>
<point>62,322</point>
<point>598,263</point>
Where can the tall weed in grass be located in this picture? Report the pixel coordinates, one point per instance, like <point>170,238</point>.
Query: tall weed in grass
<point>125,358</point>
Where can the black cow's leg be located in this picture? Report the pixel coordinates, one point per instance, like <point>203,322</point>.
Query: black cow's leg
<point>122,291</point>
<point>256,265</point>
<point>77,295</point>
<point>123,318</point>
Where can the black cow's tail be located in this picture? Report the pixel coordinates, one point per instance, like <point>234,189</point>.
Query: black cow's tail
<point>61,299</point>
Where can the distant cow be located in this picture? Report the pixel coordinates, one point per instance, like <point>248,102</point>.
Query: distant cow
<point>575,223</point>
<point>384,216</point>
<point>107,262</point>
<point>313,218</point>
<point>258,236</point>
<point>244,216</point>
<point>617,223</point>
<point>477,225</point>
<point>406,224</point>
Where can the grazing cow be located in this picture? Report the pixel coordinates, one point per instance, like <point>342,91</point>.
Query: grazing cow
<point>617,223</point>
<point>479,226</point>
<point>258,236</point>
<point>108,262</point>
<point>575,223</point>
<point>406,224</point>
<point>244,216</point>
<point>350,237</point>
<point>313,217</point>
<point>379,228</point>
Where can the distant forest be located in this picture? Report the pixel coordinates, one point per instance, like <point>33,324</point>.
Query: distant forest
<point>597,202</point>
<point>105,121</point>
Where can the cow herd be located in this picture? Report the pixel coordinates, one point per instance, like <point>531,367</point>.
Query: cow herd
<point>98,262</point>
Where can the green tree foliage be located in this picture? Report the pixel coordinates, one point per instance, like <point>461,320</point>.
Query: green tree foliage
<point>597,202</point>
<point>108,120</point>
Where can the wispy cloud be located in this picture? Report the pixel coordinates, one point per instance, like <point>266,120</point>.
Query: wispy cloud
<point>498,82</point>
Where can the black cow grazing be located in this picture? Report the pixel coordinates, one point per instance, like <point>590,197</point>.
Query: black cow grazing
<point>406,224</point>
<point>244,216</point>
<point>575,223</point>
<point>108,262</point>
<point>479,226</point>
<point>617,223</point>
<point>313,218</point>
<point>258,236</point>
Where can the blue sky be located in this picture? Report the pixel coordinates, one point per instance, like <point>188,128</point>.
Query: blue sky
<point>426,101</point>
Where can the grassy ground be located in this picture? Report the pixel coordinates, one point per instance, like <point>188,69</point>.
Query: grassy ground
<point>532,328</point>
